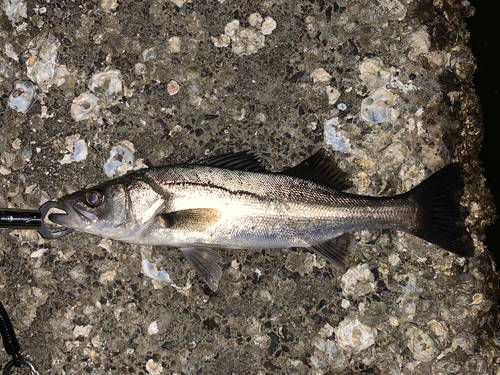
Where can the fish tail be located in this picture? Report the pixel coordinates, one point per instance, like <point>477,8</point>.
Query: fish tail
<point>440,217</point>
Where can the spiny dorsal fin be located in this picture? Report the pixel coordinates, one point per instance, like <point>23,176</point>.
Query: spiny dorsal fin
<point>334,250</point>
<point>322,169</point>
<point>243,161</point>
<point>196,219</point>
<point>205,262</point>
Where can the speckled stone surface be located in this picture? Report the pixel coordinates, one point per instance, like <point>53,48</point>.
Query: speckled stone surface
<point>385,83</point>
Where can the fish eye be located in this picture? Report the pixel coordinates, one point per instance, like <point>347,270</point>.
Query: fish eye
<point>94,198</point>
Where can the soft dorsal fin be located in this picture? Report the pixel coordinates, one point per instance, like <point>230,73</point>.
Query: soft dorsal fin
<point>322,169</point>
<point>243,161</point>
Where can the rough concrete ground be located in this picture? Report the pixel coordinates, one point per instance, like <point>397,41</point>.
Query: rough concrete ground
<point>386,83</point>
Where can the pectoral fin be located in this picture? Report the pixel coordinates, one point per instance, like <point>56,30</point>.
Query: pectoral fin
<point>334,250</point>
<point>205,262</point>
<point>197,219</point>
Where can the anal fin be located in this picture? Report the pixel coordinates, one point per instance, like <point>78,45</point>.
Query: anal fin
<point>205,262</point>
<point>333,250</point>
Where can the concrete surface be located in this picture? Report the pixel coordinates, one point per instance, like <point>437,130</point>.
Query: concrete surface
<point>386,83</point>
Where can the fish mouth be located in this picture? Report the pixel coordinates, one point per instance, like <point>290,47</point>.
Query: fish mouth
<point>74,217</point>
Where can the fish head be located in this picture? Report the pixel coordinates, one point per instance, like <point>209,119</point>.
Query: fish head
<point>103,210</point>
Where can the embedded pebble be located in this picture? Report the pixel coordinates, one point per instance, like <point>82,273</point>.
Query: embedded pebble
<point>79,152</point>
<point>358,280</point>
<point>22,96</point>
<point>377,106</point>
<point>121,159</point>
<point>85,106</point>
<point>351,334</point>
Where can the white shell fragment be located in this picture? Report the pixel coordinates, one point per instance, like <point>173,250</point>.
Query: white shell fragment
<point>352,334</point>
<point>109,5</point>
<point>42,66</point>
<point>150,270</point>
<point>121,159</point>
<point>85,106</point>
<point>421,344</point>
<point>172,87</point>
<point>109,83</point>
<point>246,41</point>
<point>377,106</point>
<point>374,73</point>
<point>15,8</point>
<point>320,75</point>
<point>153,328</point>
<point>78,153</point>
<point>358,281</point>
<point>22,96</point>
<point>154,368</point>
<point>334,137</point>
<point>268,26</point>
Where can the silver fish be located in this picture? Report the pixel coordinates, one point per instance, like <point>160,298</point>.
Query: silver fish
<point>231,201</point>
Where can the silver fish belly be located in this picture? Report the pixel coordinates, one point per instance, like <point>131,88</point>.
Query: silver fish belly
<point>230,202</point>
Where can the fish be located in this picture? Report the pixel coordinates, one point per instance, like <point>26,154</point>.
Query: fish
<point>231,201</point>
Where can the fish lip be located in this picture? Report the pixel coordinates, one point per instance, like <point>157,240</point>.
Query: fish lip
<point>73,217</point>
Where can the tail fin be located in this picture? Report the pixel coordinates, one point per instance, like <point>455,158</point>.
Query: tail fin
<point>440,218</point>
